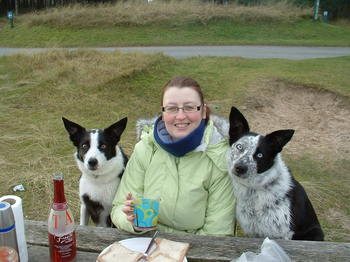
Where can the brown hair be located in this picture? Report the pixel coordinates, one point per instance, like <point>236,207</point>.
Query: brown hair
<point>183,81</point>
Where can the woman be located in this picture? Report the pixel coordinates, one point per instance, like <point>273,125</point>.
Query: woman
<point>181,160</point>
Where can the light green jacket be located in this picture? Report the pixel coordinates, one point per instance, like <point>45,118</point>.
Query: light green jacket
<point>195,191</point>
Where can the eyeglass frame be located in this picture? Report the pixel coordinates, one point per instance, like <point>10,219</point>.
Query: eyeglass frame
<point>198,108</point>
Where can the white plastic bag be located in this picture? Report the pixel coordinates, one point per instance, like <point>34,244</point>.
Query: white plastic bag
<point>270,252</point>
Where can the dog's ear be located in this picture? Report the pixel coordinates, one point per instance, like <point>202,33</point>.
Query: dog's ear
<point>74,130</point>
<point>116,130</point>
<point>279,139</point>
<point>238,125</point>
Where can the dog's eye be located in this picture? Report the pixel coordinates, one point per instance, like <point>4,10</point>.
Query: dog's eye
<point>259,155</point>
<point>84,146</point>
<point>239,147</point>
<point>103,146</point>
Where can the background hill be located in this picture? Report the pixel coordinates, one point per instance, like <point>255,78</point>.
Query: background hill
<point>138,23</point>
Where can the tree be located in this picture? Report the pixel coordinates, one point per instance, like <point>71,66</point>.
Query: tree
<point>336,8</point>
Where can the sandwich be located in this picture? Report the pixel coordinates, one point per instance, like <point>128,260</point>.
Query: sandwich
<point>161,258</point>
<point>168,251</point>
<point>118,253</point>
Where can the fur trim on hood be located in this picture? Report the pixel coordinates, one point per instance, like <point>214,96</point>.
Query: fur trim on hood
<point>222,127</point>
<point>142,123</point>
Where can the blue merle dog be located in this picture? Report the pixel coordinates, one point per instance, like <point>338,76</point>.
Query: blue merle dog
<point>270,202</point>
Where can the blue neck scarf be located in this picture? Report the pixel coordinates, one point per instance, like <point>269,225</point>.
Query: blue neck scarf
<point>182,146</point>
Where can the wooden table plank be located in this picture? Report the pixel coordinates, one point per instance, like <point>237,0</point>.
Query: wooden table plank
<point>41,254</point>
<point>203,248</point>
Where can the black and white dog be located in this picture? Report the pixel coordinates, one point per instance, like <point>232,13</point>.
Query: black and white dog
<point>270,202</point>
<point>102,163</point>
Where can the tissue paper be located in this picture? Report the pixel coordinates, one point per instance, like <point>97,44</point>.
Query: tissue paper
<point>16,204</point>
<point>270,252</point>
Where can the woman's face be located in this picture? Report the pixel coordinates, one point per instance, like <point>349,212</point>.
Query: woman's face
<point>181,124</point>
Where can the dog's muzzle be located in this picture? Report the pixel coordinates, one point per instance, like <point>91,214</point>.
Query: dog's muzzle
<point>240,169</point>
<point>92,163</point>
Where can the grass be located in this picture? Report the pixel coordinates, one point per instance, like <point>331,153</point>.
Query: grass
<point>172,23</point>
<point>173,13</point>
<point>96,89</point>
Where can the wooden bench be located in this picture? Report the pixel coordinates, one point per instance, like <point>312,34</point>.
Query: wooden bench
<point>92,240</point>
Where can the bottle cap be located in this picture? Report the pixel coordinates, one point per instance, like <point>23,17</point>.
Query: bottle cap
<point>58,176</point>
<point>7,220</point>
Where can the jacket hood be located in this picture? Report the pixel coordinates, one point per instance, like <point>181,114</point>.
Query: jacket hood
<point>220,132</point>
<point>144,124</point>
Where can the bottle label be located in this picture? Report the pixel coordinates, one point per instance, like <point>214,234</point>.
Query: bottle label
<point>61,222</point>
<point>63,248</point>
<point>62,241</point>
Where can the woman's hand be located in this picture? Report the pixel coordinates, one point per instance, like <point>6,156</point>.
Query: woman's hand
<point>128,208</point>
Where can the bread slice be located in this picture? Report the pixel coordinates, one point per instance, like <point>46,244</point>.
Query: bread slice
<point>170,249</point>
<point>160,257</point>
<point>118,253</point>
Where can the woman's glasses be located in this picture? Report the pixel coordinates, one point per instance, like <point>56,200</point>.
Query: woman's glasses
<point>185,109</point>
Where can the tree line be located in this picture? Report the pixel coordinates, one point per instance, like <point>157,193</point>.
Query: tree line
<point>336,8</point>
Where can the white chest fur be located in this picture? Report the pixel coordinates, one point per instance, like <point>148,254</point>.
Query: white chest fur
<point>100,192</point>
<point>260,214</point>
<point>264,210</point>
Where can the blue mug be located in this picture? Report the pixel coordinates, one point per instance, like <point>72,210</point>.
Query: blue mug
<point>146,212</point>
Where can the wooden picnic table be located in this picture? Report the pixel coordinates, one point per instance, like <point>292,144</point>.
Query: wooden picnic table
<point>92,240</point>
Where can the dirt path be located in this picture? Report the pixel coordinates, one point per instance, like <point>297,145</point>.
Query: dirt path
<point>321,119</point>
<point>255,51</point>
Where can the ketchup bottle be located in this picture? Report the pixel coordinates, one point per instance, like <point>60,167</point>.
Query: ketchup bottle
<point>61,227</point>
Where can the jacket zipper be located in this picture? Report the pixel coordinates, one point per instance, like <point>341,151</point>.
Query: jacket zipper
<point>177,160</point>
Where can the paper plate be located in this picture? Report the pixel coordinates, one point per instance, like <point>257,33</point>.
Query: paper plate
<point>136,244</point>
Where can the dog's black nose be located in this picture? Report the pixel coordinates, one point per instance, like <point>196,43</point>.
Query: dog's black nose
<point>92,162</point>
<point>240,169</point>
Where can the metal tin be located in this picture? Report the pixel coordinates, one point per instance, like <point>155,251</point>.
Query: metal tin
<point>7,226</point>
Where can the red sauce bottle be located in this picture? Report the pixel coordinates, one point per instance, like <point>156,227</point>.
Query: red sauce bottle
<point>61,226</point>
